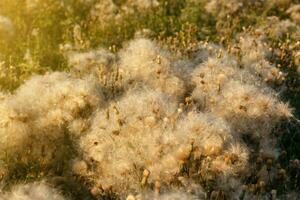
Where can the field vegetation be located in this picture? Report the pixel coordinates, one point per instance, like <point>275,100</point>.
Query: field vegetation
<point>149,99</point>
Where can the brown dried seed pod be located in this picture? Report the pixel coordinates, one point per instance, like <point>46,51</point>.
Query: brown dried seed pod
<point>157,186</point>
<point>146,174</point>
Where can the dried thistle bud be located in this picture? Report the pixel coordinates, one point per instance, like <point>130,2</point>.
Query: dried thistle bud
<point>166,119</point>
<point>116,110</point>
<point>261,184</point>
<point>80,167</point>
<point>158,59</point>
<point>130,197</point>
<point>281,174</point>
<point>157,187</point>
<point>179,110</point>
<point>146,174</point>
<point>269,164</point>
<point>244,187</point>
<point>188,100</point>
<point>95,191</point>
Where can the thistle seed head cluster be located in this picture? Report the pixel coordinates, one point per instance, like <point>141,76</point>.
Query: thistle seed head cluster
<point>106,11</point>
<point>176,125</point>
<point>37,116</point>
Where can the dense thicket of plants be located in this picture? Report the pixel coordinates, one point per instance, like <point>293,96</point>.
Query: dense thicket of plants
<point>149,99</point>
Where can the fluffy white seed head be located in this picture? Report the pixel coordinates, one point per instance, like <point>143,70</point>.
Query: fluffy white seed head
<point>91,62</point>
<point>32,191</point>
<point>143,62</point>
